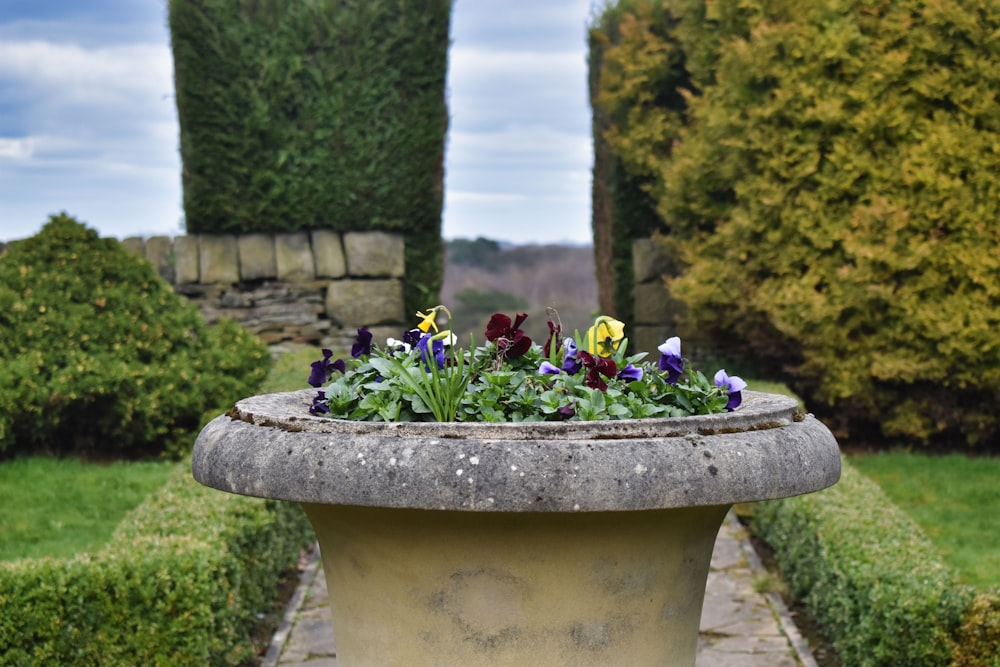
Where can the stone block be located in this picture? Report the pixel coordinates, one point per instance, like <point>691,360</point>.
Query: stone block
<point>186,260</point>
<point>650,260</point>
<point>646,338</point>
<point>654,305</point>
<point>256,253</point>
<point>356,303</point>
<point>294,257</point>
<point>219,259</point>
<point>160,253</point>
<point>328,254</point>
<point>375,254</point>
<point>135,245</point>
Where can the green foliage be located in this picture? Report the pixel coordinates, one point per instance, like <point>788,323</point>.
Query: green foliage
<point>181,583</point>
<point>315,114</point>
<point>869,575</point>
<point>480,251</point>
<point>100,357</point>
<point>828,194</point>
<point>62,507</point>
<point>491,384</point>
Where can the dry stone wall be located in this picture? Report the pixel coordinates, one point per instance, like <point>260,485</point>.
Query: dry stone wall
<point>655,310</point>
<point>306,287</point>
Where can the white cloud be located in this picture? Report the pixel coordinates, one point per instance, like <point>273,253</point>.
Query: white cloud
<point>17,149</point>
<point>68,75</point>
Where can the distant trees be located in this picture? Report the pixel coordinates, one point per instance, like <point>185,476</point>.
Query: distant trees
<point>483,277</point>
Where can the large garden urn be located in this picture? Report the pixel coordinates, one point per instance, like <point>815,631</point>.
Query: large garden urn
<point>554,543</point>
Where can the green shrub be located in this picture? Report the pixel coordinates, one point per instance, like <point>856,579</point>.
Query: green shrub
<point>829,193</point>
<point>98,355</point>
<point>316,114</point>
<point>871,578</point>
<point>181,583</point>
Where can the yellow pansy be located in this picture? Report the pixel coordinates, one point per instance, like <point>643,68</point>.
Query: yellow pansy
<point>605,336</point>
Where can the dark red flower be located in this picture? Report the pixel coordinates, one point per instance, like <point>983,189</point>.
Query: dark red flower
<point>555,333</point>
<point>510,340</point>
<point>596,367</point>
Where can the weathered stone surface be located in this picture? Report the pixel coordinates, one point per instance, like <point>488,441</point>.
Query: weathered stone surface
<point>160,253</point>
<point>274,448</point>
<point>187,260</point>
<point>219,259</point>
<point>294,257</point>
<point>374,254</point>
<point>135,245</point>
<point>256,252</point>
<point>355,303</point>
<point>650,260</point>
<point>654,305</point>
<point>328,254</point>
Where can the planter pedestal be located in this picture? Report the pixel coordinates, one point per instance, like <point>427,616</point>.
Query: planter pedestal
<point>516,544</point>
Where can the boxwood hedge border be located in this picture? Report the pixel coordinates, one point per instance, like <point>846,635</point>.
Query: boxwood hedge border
<point>181,582</point>
<point>875,583</point>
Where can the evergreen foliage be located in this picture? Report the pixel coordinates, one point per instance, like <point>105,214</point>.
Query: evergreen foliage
<point>875,583</point>
<point>182,582</point>
<point>315,114</point>
<point>100,357</point>
<point>830,190</point>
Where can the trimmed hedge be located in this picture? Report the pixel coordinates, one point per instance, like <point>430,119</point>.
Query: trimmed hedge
<point>99,356</point>
<point>316,114</point>
<point>180,583</point>
<point>828,190</point>
<point>875,583</point>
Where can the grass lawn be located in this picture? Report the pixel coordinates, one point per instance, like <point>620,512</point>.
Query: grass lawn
<point>954,498</point>
<point>61,507</point>
<point>291,371</point>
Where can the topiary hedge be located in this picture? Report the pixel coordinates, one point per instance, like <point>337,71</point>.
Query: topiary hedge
<point>874,583</point>
<point>99,356</point>
<point>830,195</point>
<point>316,114</point>
<point>181,583</point>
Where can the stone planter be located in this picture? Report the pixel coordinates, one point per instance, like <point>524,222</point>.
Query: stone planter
<point>516,544</point>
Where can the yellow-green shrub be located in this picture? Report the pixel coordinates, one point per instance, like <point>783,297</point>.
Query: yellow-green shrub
<point>99,356</point>
<point>832,196</point>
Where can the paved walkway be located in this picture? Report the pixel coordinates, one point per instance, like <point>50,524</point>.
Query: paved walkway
<point>740,627</point>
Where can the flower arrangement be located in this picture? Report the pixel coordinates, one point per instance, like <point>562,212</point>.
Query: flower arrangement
<point>425,376</point>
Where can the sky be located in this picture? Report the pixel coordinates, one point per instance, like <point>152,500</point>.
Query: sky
<point>88,122</point>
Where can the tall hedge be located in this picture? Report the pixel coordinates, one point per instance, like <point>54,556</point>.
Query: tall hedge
<point>315,114</point>
<point>832,195</point>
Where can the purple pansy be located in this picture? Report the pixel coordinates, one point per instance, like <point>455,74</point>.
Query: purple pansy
<point>436,350</point>
<point>631,373</point>
<point>323,369</point>
<point>734,385</point>
<point>319,406</point>
<point>671,360</point>
<point>571,364</point>
<point>547,368</point>
<point>363,344</point>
